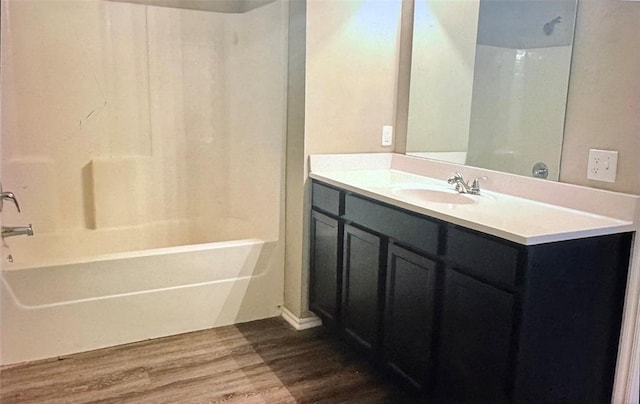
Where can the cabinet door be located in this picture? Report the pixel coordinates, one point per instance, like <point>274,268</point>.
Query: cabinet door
<point>323,293</point>
<point>475,340</point>
<point>409,315</point>
<point>360,288</point>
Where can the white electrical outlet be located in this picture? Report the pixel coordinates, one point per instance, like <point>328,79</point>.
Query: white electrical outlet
<point>387,135</point>
<point>602,165</point>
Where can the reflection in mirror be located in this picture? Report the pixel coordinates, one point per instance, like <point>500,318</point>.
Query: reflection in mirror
<point>489,82</point>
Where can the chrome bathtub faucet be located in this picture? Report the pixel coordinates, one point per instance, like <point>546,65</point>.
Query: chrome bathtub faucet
<point>463,186</point>
<point>10,231</point>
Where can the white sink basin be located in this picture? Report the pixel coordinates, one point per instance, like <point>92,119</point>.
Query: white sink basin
<point>428,194</point>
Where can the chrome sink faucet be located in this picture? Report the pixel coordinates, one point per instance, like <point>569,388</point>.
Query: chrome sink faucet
<point>463,186</point>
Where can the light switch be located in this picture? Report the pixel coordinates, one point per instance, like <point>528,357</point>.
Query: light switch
<point>387,135</point>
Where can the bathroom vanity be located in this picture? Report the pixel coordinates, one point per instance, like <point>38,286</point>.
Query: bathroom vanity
<point>468,310</point>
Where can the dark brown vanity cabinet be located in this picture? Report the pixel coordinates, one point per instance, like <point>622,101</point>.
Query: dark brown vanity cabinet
<point>409,315</point>
<point>360,289</point>
<point>475,340</point>
<point>325,278</point>
<point>464,316</point>
<point>477,335</point>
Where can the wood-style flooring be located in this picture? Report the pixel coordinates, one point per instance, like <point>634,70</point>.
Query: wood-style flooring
<point>264,361</point>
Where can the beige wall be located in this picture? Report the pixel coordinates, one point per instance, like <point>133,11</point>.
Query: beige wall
<point>352,52</point>
<point>603,109</point>
<point>296,215</point>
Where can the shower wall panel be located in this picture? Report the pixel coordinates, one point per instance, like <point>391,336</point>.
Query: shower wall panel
<point>257,77</point>
<point>188,102</point>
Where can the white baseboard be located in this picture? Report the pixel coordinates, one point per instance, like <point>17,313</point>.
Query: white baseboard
<point>300,323</point>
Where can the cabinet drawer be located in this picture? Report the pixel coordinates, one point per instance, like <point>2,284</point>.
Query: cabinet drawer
<point>485,258</point>
<point>406,228</point>
<point>325,198</point>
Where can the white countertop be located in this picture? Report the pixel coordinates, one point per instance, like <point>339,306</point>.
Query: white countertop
<point>514,218</point>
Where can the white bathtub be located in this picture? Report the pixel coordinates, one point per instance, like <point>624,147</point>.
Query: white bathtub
<point>127,297</point>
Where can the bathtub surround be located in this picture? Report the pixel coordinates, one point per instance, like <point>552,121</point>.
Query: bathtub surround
<point>140,140</point>
<point>172,128</point>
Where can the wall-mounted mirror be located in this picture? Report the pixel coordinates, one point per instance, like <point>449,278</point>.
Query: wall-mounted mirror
<point>489,81</point>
